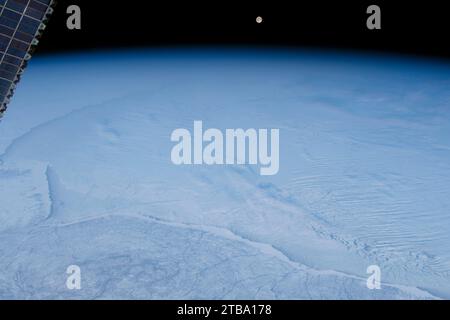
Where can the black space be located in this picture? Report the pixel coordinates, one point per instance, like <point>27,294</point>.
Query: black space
<point>419,28</point>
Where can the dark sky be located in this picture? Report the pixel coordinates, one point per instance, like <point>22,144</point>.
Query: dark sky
<point>407,27</point>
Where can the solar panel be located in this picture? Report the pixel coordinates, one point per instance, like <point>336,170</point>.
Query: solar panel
<point>21,26</point>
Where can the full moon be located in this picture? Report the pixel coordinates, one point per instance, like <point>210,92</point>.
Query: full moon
<point>259,19</point>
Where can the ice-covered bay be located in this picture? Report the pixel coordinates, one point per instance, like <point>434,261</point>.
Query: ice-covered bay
<point>86,177</point>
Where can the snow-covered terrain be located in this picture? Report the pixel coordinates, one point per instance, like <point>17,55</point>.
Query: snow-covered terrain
<point>86,177</point>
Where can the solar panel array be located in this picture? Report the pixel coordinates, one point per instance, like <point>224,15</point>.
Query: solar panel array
<point>21,25</point>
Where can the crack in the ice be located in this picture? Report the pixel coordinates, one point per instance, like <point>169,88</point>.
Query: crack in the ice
<point>51,195</point>
<point>264,248</point>
<point>31,130</point>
